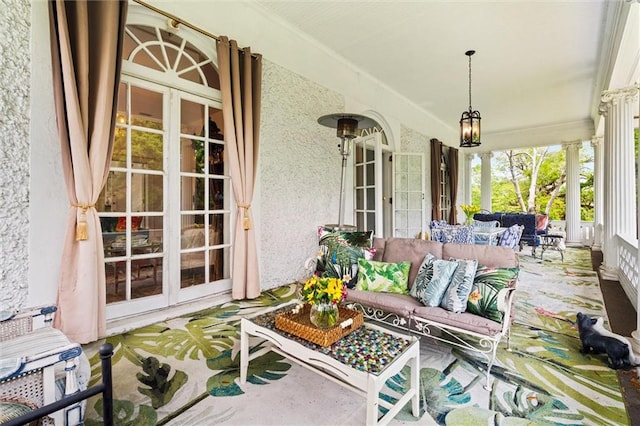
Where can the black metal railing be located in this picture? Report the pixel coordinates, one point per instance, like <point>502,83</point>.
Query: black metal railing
<point>105,388</point>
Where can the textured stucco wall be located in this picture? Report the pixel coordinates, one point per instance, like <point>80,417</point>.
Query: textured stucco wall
<point>14,152</point>
<point>299,172</point>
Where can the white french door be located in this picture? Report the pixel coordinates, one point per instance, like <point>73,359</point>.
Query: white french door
<point>408,195</point>
<point>165,207</point>
<point>368,183</point>
<point>202,197</point>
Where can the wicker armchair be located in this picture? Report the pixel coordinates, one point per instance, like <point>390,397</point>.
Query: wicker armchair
<point>35,359</point>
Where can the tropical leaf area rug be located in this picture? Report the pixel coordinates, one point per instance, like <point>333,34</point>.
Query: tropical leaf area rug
<point>185,371</point>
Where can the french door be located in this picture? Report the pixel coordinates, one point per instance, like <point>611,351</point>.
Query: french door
<point>165,207</point>
<point>408,195</point>
<point>368,183</point>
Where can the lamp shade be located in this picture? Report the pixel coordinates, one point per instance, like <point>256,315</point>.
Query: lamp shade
<point>346,124</point>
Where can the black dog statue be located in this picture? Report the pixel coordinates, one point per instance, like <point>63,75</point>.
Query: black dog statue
<point>595,343</point>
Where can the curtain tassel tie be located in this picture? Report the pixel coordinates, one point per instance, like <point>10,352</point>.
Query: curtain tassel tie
<point>246,221</point>
<point>81,225</point>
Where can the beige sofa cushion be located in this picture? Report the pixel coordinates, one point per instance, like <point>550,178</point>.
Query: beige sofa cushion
<point>464,320</point>
<point>400,304</point>
<point>494,256</point>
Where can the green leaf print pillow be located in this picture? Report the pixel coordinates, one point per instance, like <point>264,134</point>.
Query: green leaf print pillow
<point>487,283</point>
<point>383,277</point>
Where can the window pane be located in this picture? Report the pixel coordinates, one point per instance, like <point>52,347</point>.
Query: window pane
<point>192,193</point>
<point>119,152</point>
<point>359,175</point>
<point>371,199</point>
<point>216,264</point>
<point>146,150</point>
<point>370,155</point>
<point>216,158</point>
<point>189,221</point>
<point>216,193</point>
<point>191,118</point>
<point>371,221</point>
<point>116,273</point>
<point>146,108</point>
<point>415,201</point>
<point>146,277</point>
<point>191,155</point>
<point>371,173</point>
<point>114,195</point>
<point>192,268</point>
<point>146,192</point>
<point>359,199</point>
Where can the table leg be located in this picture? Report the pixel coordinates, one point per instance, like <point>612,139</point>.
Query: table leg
<point>244,353</point>
<point>372,401</point>
<point>415,385</point>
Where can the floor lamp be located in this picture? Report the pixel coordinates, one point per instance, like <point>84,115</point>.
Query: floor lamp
<point>347,129</point>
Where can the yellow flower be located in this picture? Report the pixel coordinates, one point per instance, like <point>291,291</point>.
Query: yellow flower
<point>475,296</point>
<point>323,290</point>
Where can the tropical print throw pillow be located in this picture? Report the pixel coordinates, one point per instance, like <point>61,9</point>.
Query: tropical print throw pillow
<point>456,296</point>
<point>383,276</point>
<point>487,283</point>
<point>339,253</point>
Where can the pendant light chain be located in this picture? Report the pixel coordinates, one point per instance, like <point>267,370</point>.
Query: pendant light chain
<point>469,82</point>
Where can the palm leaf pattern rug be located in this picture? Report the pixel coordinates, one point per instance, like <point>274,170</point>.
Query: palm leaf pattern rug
<point>185,371</point>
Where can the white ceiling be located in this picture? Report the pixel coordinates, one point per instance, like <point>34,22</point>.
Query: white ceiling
<point>537,63</point>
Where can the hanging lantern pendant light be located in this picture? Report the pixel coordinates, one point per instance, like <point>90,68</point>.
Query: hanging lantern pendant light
<point>470,120</point>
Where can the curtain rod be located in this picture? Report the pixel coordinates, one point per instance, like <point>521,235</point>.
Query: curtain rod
<point>175,21</point>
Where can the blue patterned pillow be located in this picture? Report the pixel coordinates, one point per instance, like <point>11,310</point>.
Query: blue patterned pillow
<point>511,237</point>
<point>441,272</point>
<point>456,296</point>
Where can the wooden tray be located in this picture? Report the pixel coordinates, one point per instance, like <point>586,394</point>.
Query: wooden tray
<point>300,325</point>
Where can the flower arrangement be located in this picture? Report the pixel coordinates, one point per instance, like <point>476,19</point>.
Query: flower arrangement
<point>324,294</point>
<point>469,210</point>
<point>317,290</point>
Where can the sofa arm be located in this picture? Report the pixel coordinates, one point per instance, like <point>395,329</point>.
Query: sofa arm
<point>505,298</point>
<point>21,322</point>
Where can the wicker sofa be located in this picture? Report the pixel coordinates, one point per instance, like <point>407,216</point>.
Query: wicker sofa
<point>466,330</point>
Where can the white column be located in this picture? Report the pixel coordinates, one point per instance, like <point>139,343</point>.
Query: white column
<point>619,173</point>
<point>485,181</point>
<point>597,142</point>
<point>572,207</point>
<point>466,194</point>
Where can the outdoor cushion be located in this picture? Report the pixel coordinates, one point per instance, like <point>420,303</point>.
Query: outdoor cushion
<point>433,279</point>
<point>487,283</point>
<point>341,251</point>
<point>400,304</point>
<point>457,293</point>
<point>463,320</point>
<point>383,276</point>
<point>511,237</point>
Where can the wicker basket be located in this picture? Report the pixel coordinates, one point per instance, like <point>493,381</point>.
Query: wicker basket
<point>300,325</point>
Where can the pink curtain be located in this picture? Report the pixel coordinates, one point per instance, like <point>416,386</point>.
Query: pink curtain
<point>241,85</point>
<point>86,44</point>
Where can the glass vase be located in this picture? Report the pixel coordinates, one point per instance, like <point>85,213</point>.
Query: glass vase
<point>324,315</point>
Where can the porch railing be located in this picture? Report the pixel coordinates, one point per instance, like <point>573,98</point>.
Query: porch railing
<point>628,269</point>
<point>587,230</point>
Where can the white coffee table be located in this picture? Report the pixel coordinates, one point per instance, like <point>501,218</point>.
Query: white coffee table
<point>388,352</point>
